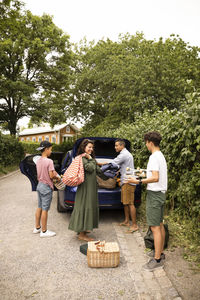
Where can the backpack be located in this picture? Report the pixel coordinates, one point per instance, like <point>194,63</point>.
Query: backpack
<point>74,175</point>
<point>149,241</point>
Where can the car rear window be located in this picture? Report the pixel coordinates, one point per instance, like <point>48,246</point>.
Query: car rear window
<point>104,147</point>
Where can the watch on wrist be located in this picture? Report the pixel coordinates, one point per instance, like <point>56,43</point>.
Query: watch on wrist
<point>140,181</point>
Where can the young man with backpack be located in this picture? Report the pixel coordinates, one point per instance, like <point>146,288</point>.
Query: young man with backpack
<point>156,194</point>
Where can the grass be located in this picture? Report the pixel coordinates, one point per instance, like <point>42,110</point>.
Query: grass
<point>183,234</point>
<point>8,169</point>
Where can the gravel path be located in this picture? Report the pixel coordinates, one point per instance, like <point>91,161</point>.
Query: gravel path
<point>54,268</point>
<point>51,268</point>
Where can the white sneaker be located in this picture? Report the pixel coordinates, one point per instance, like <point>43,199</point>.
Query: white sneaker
<point>35,230</point>
<point>48,233</point>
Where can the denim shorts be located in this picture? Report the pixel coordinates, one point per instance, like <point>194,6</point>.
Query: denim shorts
<point>155,202</point>
<point>44,196</point>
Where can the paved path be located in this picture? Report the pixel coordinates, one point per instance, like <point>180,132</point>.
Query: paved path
<point>53,268</point>
<point>148,285</point>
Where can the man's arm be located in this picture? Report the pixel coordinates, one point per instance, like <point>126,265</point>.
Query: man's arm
<point>119,159</point>
<point>152,179</point>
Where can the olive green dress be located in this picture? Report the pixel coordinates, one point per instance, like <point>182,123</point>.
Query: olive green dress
<point>85,215</point>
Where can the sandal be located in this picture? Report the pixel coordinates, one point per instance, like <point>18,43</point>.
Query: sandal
<point>124,224</point>
<point>132,230</point>
<point>85,238</point>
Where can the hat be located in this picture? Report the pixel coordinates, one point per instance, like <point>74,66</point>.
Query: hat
<point>43,145</point>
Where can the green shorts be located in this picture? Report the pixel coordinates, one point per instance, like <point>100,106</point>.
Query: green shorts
<point>155,202</point>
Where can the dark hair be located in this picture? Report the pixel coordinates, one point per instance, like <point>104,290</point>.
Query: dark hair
<point>84,143</point>
<point>154,137</point>
<point>120,141</point>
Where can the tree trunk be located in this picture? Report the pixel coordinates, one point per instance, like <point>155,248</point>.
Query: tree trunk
<point>12,124</point>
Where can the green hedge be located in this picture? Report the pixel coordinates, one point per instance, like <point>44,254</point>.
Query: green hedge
<point>181,147</point>
<point>30,147</point>
<point>11,151</point>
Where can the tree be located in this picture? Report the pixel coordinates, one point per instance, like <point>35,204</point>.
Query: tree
<point>117,81</point>
<point>35,58</point>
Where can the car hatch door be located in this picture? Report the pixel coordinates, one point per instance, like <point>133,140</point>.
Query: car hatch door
<point>28,166</point>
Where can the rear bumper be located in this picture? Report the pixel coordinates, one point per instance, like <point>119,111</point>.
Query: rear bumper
<point>107,198</point>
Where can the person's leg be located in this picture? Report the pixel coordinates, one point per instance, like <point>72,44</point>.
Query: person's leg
<point>154,217</point>
<point>156,261</point>
<point>38,213</point>
<point>131,207</point>
<point>158,241</point>
<point>132,210</point>
<point>126,208</point>
<point>163,236</point>
<point>126,213</point>
<point>38,217</point>
<point>44,218</point>
<point>46,196</point>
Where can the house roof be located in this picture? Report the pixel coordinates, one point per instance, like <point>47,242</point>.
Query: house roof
<point>46,128</point>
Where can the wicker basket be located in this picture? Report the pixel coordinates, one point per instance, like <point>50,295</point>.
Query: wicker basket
<point>103,255</point>
<point>59,184</point>
<point>110,183</point>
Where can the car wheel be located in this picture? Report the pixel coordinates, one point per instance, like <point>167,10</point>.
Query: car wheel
<point>60,202</point>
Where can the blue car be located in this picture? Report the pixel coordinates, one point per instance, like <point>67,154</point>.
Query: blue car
<point>104,151</point>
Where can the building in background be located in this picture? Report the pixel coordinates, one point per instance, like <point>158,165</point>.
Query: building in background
<point>58,134</point>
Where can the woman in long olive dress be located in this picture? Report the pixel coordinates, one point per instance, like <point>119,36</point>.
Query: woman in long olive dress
<point>85,215</point>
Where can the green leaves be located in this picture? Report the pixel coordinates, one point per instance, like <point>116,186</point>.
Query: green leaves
<point>35,58</point>
<point>121,80</point>
<point>180,145</point>
<point>11,151</point>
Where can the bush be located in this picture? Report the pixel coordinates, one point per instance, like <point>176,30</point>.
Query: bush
<point>11,151</point>
<point>181,146</point>
<point>64,147</point>
<point>30,147</point>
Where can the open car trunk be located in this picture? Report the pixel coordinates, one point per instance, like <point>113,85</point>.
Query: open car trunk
<point>104,151</point>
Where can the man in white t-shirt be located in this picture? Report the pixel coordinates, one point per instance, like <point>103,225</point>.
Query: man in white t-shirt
<point>156,194</point>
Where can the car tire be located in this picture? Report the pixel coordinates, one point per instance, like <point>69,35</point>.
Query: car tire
<point>61,208</point>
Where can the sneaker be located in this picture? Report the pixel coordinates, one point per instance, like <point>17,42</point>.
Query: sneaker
<point>48,233</point>
<point>153,265</point>
<point>152,254</point>
<point>35,230</point>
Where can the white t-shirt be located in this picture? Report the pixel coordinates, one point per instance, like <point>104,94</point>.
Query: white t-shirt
<point>158,163</point>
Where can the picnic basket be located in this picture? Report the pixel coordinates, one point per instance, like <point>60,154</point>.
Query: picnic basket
<point>110,183</point>
<point>102,254</point>
<point>59,184</point>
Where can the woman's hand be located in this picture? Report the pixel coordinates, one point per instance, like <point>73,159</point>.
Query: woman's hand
<point>88,156</point>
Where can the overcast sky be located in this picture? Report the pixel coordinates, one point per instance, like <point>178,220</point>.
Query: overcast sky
<point>97,19</point>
